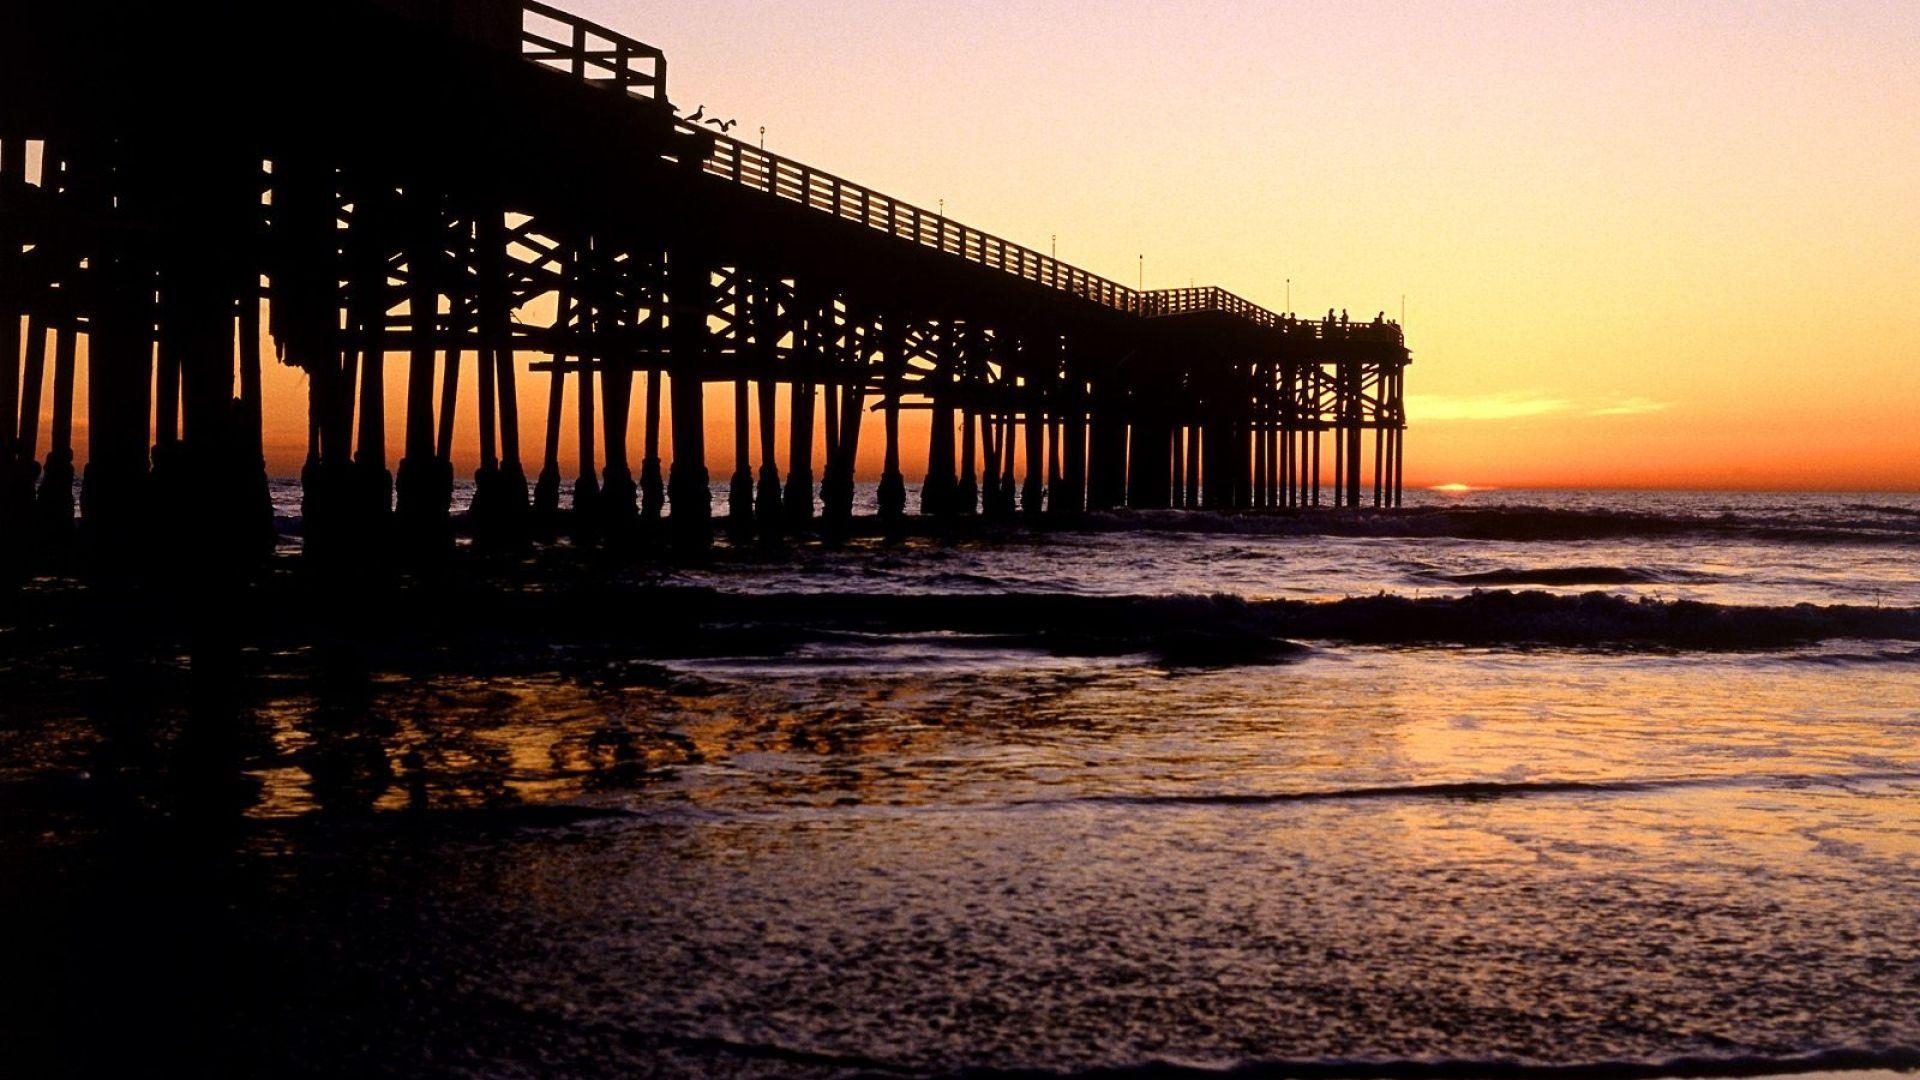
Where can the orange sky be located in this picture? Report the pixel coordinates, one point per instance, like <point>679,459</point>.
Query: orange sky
<point>1640,246</point>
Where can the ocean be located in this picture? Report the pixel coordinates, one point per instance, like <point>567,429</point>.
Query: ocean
<point>1508,782</point>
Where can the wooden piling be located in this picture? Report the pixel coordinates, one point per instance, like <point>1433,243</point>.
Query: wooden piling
<point>689,287</point>
<point>1151,468</point>
<point>653,491</point>
<point>938,492</point>
<point>119,375</point>
<point>1033,491</point>
<point>450,391</point>
<point>424,492</point>
<point>497,330</point>
<point>55,503</point>
<point>1313,467</point>
<point>990,452</point>
<point>1177,451</point>
<point>13,305</point>
<point>966,491</point>
<point>1073,452</point>
<point>586,480</point>
<point>740,489</point>
<point>1106,450</point>
<point>892,496</point>
<point>546,488</point>
<point>768,518</point>
<point>32,384</point>
<point>798,503</point>
<point>619,496</point>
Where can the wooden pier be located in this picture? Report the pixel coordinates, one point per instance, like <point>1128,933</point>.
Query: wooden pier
<point>487,191</point>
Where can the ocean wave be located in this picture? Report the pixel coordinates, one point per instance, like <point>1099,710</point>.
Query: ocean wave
<point>1856,659</point>
<point>1566,576</point>
<point>595,621</point>
<point>1487,790</point>
<point>1589,619</point>
<point>1178,630</point>
<point>1522,523</point>
<point>1882,508</point>
<point>1199,626</point>
<point>1899,1058</point>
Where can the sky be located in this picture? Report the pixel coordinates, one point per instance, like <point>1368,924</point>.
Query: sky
<point>1638,245</point>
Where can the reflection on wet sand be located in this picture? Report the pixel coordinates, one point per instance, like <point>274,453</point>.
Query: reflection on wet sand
<point>812,836</point>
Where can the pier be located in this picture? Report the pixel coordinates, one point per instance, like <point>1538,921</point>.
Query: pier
<point>485,192</point>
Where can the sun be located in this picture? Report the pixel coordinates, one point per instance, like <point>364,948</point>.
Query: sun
<point>1455,489</point>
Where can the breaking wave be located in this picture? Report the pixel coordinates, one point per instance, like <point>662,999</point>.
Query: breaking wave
<point>1487,790</point>
<point>1566,576</point>
<point>1837,1060</point>
<point>1230,627</point>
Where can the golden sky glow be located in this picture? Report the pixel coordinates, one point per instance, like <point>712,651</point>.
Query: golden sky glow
<point>1647,244</point>
<point>1658,245</point>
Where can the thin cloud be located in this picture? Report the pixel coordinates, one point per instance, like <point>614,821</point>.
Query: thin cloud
<point>1508,406</point>
<point>1522,405</point>
<point>1634,406</point>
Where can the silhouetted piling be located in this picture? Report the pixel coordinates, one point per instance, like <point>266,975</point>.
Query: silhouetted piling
<point>653,492</point>
<point>689,287</point>
<point>740,489</point>
<point>798,504</point>
<point>768,521</point>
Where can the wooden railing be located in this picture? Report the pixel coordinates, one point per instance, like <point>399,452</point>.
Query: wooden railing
<point>792,181</point>
<point>1214,298</point>
<point>556,39</point>
<point>605,58</point>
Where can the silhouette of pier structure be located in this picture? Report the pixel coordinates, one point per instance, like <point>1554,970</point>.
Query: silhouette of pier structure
<point>489,191</point>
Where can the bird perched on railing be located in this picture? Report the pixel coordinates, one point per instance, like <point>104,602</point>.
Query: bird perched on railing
<point>723,125</point>
<point>697,114</point>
